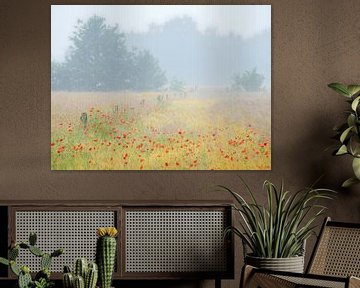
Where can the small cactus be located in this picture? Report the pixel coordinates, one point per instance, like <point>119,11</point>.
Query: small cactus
<point>106,254</point>
<point>68,280</point>
<point>83,274</point>
<point>91,276</point>
<point>67,269</point>
<point>79,282</point>
<point>80,268</point>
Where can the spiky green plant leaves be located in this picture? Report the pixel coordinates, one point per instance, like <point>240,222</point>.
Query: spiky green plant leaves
<point>279,229</point>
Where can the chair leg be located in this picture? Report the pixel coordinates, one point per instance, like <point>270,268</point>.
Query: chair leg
<point>250,278</point>
<point>217,283</point>
<point>246,274</point>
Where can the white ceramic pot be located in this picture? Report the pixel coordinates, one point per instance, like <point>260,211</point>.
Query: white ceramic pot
<point>291,264</point>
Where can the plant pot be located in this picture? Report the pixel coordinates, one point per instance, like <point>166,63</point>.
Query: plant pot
<point>291,264</point>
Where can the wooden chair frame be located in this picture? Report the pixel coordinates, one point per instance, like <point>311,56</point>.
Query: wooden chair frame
<point>255,277</point>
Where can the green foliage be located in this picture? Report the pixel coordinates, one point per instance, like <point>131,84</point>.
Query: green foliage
<point>42,283</point>
<point>250,81</point>
<point>42,278</point>
<point>146,74</point>
<point>99,60</point>
<point>177,85</point>
<point>279,229</point>
<point>348,132</point>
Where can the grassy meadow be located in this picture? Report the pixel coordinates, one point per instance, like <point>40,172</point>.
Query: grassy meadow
<point>199,130</point>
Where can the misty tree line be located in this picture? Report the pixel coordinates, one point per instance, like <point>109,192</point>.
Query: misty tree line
<point>99,60</point>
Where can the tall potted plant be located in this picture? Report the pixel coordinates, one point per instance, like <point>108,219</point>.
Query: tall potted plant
<point>348,132</point>
<point>276,233</point>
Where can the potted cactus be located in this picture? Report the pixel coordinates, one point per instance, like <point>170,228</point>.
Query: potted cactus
<point>106,254</point>
<point>85,275</point>
<point>42,278</point>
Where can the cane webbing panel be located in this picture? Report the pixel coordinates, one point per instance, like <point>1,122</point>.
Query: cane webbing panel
<point>313,282</point>
<point>175,241</point>
<point>75,231</point>
<point>338,252</point>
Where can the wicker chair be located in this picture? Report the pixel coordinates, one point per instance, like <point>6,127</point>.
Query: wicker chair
<point>334,263</point>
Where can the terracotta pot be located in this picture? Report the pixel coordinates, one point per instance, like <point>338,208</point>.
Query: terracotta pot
<point>291,264</point>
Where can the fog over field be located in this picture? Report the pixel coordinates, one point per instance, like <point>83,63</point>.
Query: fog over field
<point>161,87</point>
<point>200,45</point>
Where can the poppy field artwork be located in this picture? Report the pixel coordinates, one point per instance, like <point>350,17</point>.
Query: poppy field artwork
<point>160,87</point>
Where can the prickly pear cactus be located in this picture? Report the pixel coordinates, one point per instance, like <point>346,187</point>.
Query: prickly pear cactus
<point>32,238</point>
<point>24,280</point>
<point>45,261</point>
<point>14,268</point>
<point>36,251</point>
<point>106,254</point>
<point>13,253</point>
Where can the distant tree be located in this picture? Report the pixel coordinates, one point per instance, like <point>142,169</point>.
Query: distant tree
<point>177,85</point>
<point>147,74</point>
<point>98,60</point>
<point>59,76</point>
<point>250,81</point>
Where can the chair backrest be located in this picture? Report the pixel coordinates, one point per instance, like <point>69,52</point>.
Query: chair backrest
<point>337,251</point>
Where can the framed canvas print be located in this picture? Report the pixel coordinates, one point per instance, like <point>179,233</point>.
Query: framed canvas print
<point>160,87</point>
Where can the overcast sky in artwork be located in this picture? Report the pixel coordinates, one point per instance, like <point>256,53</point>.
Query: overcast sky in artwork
<point>241,20</point>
